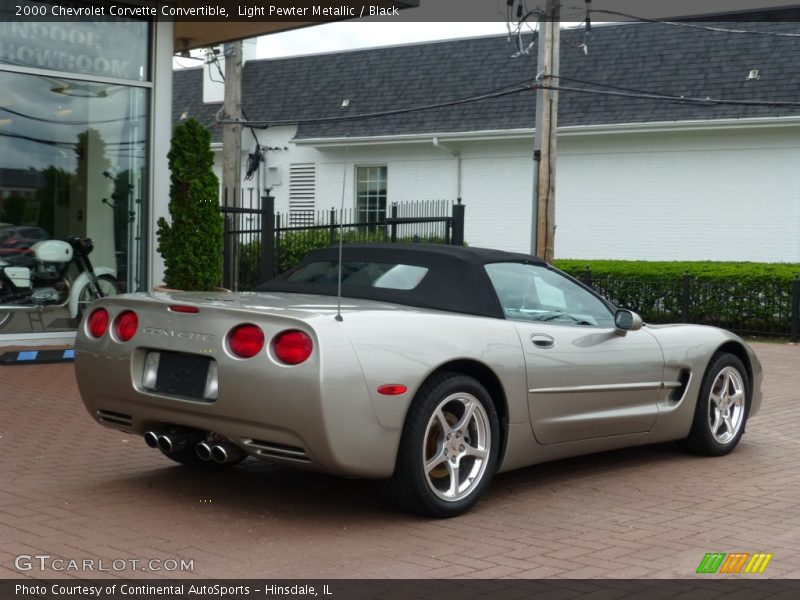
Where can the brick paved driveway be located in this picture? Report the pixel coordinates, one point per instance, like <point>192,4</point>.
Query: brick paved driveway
<point>74,490</point>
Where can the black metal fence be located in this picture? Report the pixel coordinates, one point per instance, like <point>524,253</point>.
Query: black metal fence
<point>260,243</point>
<point>761,307</point>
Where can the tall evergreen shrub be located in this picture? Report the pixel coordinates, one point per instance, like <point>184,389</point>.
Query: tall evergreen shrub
<point>191,243</point>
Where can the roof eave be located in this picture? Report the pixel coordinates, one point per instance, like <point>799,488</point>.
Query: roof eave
<point>568,131</point>
<point>415,138</point>
<point>689,125</point>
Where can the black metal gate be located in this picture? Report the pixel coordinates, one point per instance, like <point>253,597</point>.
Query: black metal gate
<point>260,243</point>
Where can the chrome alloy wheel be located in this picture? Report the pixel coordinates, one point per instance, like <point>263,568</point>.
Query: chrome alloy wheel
<point>456,447</point>
<point>726,405</point>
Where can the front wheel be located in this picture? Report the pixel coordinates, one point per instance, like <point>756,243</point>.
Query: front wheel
<point>108,285</point>
<point>449,448</point>
<point>721,411</point>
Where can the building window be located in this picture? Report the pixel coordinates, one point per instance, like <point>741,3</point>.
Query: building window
<point>371,194</point>
<point>115,48</point>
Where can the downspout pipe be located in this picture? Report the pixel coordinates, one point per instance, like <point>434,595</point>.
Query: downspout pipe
<point>457,154</point>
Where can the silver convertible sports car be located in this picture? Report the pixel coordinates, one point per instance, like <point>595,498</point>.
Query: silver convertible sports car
<point>435,368</point>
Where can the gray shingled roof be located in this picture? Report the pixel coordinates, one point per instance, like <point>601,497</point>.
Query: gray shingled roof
<point>654,57</point>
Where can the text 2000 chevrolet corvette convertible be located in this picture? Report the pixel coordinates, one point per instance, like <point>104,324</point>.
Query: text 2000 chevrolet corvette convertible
<point>443,366</point>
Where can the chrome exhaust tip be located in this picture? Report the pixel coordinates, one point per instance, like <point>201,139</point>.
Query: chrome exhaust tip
<point>225,453</point>
<point>203,451</point>
<point>177,439</point>
<point>151,439</point>
<point>165,443</point>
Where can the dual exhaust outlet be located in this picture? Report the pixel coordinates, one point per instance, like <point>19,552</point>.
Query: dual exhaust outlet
<point>176,440</point>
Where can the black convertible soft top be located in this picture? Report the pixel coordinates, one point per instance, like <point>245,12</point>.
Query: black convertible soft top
<point>456,280</point>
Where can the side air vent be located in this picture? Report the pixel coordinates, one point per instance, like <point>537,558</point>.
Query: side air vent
<point>678,392</point>
<point>281,451</point>
<point>115,418</point>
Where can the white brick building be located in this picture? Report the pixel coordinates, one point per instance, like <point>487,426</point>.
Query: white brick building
<point>638,178</point>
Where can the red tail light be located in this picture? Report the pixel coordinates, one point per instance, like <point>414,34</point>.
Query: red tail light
<point>125,325</point>
<point>292,347</point>
<point>245,341</point>
<point>97,323</point>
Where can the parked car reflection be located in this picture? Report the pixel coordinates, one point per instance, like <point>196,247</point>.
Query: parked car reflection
<point>16,240</point>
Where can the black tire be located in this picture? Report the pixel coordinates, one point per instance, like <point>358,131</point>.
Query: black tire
<point>724,400</point>
<point>424,490</point>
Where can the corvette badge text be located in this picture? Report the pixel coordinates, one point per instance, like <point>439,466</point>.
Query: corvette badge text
<point>192,335</point>
<point>45,562</point>
<point>735,562</point>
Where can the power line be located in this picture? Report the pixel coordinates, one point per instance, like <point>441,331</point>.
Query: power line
<point>66,122</point>
<point>505,91</point>
<point>20,136</point>
<point>611,86</point>
<point>696,25</point>
<point>642,94</point>
<point>214,59</point>
<point>612,90</point>
<point>529,85</point>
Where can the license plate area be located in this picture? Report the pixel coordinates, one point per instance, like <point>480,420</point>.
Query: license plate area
<point>181,375</point>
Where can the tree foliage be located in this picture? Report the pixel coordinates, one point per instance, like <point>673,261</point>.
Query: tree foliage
<point>191,243</point>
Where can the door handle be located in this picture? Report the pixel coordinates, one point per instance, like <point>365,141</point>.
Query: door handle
<point>542,340</point>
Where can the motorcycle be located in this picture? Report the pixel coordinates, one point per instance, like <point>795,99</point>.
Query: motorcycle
<point>52,275</point>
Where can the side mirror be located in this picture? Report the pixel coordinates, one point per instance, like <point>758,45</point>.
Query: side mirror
<point>627,320</point>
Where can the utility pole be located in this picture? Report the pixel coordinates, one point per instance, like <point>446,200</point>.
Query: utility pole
<point>232,133</point>
<point>544,148</point>
<point>232,159</point>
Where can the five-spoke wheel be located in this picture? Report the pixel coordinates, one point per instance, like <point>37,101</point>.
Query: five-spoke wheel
<point>456,446</point>
<point>727,405</point>
<point>721,411</point>
<point>449,447</point>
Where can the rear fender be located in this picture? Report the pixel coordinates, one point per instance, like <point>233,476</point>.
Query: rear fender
<point>408,348</point>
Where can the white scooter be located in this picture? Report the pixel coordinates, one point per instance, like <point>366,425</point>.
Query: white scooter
<point>52,274</point>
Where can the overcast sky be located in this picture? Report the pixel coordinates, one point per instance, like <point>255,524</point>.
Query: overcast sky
<point>369,33</point>
<point>468,14</point>
<point>334,37</point>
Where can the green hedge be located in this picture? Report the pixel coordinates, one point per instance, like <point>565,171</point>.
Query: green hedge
<point>744,297</point>
<point>700,270</point>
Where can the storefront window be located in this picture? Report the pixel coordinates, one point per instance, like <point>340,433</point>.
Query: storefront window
<point>109,48</point>
<point>73,163</point>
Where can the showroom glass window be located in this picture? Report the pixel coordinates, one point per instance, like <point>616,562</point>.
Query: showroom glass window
<point>74,122</point>
<point>371,194</point>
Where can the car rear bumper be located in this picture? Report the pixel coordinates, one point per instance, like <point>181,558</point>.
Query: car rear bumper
<point>285,420</point>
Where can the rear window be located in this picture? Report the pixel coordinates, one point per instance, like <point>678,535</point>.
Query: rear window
<point>393,276</point>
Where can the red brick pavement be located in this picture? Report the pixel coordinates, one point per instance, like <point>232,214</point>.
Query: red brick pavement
<point>74,490</point>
